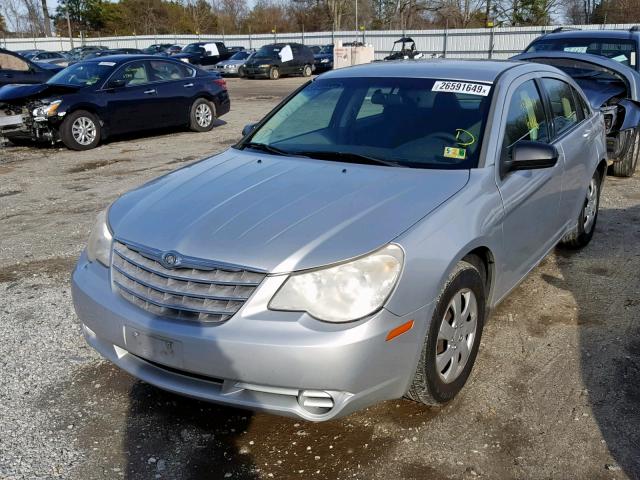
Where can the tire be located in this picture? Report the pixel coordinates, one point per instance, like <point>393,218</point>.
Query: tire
<point>582,233</point>
<point>81,130</point>
<point>202,115</point>
<point>241,72</point>
<point>307,71</point>
<point>438,381</point>
<point>274,73</point>
<point>626,166</point>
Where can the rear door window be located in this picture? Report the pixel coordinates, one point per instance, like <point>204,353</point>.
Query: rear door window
<point>565,112</point>
<point>162,71</point>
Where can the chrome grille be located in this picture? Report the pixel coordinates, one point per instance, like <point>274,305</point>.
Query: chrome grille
<point>208,293</point>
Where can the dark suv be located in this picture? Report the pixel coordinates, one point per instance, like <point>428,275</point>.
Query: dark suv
<point>618,45</point>
<point>606,66</point>
<point>277,59</point>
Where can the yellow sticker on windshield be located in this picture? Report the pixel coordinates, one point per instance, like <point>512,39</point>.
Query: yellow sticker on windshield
<point>457,153</point>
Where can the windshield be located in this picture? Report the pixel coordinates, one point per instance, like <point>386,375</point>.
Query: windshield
<point>193,48</point>
<point>410,122</point>
<point>623,51</point>
<point>240,55</point>
<point>82,74</point>
<point>327,49</point>
<point>267,52</point>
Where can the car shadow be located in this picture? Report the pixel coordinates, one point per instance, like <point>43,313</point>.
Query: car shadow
<point>170,436</point>
<point>604,279</point>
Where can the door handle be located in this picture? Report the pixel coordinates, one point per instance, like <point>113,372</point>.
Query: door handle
<point>587,134</point>
<point>149,92</point>
<point>188,85</point>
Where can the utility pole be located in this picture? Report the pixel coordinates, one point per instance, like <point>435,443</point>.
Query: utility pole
<point>47,20</point>
<point>356,17</point>
<point>487,15</point>
<point>66,9</point>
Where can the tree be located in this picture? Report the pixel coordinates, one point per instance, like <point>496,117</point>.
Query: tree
<point>3,24</point>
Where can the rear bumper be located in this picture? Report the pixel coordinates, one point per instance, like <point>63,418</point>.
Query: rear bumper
<point>279,362</point>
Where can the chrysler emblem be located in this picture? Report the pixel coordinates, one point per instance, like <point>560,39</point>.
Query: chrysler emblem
<point>170,260</point>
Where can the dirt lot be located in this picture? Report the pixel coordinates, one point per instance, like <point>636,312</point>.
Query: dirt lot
<point>555,392</point>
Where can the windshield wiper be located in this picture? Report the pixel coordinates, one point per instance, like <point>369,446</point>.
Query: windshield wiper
<point>348,157</point>
<point>266,148</point>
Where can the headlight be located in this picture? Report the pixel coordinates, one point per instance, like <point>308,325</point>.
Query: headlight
<point>264,65</point>
<point>345,292</point>
<point>324,60</point>
<point>48,110</point>
<point>99,244</point>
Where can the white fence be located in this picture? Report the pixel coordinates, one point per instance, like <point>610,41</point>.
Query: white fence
<point>462,43</point>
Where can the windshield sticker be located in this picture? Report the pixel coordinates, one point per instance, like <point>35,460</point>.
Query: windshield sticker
<point>464,138</point>
<point>457,153</point>
<point>462,87</point>
<point>107,64</point>
<point>575,49</point>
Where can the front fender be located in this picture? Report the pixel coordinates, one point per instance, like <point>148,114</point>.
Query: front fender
<point>468,220</point>
<point>631,113</point>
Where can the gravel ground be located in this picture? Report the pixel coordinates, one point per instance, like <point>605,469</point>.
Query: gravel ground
<point>555,392</point>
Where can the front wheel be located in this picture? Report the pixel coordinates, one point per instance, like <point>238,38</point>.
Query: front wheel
<point>582,233</point>
<point>203,114</point>
<point>274,73</point>
<point>452,342</point>
<point>306,71</point>
<point>626,166</point>
<point>80,130</point>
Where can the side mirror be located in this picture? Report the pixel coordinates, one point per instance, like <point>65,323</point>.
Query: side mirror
<point>117,84</point>
<point>528,155</point>
<point>248,129</point>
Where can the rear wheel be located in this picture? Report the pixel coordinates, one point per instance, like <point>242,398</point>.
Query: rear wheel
<point>452,342</point>
<point>582,233</point>
<point>306,71</point>
<point>203,114</point>
<point>80,130</point>
<point>274,73</point>
<point>626,166</point>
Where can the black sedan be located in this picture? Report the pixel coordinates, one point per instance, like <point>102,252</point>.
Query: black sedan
<point>16,69</point>
<point>94,99</point>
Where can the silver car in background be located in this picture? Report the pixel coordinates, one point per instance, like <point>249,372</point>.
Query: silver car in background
<point>233,65</point>
<point>349,248</point>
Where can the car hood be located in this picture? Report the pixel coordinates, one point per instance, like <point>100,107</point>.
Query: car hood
<point>184,55</point>
<point>11,93</point>
<point>279,214</point>
<point>630,77</point>
<point>320,56</point>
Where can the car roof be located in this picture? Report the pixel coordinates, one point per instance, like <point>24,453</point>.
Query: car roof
<point>125,58</point>
<point>475,70</point>
<point>568,34</point>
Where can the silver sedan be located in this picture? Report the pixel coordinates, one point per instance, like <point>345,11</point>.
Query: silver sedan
<point>349,248</point>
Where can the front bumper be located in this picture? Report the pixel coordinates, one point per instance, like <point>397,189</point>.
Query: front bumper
<point>280,362</point>
<point>256,71</point>
<point>323,67</point>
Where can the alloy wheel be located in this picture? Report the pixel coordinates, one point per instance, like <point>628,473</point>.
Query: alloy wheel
<point>591,206</point>
<point>204,115</point>
<point>457,335</point>
<point>83,130</point>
